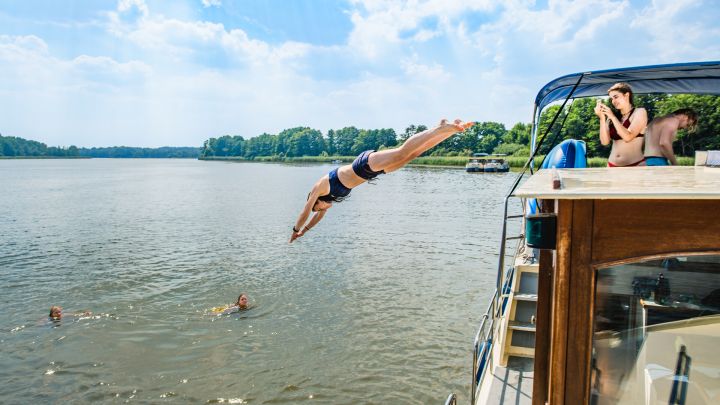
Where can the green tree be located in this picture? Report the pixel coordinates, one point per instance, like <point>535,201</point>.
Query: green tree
<point>466,140</point>
<point>261,145</point>
<point>224,146</point>
<point>507,148</point>
<point>489,135</point>
<point>544,126</point>
<point>386,137</point>
<point>330,143</point>
<point>410,131</point>
<point>519,133</point>
<point>345,139</point>
<point>238,148</point>
<point>305,142</point>
<point>580,122</point>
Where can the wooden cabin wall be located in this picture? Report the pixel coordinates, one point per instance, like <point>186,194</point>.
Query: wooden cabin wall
<point>543,319</point>
<point>599,233</point>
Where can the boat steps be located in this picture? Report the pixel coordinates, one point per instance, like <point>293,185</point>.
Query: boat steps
<point>528,268</point>
<point>519,324</point>
<point>525,297</point>
<point>523,326</point>
<point>518,351</point>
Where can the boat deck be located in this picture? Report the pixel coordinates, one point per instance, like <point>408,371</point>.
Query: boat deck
<point>509,385</point>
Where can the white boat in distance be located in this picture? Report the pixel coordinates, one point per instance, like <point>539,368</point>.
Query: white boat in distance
<point>477,164</point>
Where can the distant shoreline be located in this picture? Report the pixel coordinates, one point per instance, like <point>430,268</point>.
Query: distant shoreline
<point>515,162</point>
<point>43,157</point>
<point>451,162</point>
<point>86,157</point>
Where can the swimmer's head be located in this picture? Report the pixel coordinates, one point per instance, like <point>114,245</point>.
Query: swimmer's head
<point>242,301</point>
<point>55,312</point>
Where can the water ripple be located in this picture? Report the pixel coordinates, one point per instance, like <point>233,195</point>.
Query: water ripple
<point>384,293</point>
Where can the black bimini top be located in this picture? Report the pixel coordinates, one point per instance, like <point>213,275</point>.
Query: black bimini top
<point>686,78</point>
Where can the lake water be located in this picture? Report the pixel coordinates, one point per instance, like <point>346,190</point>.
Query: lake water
<point>378,304</point>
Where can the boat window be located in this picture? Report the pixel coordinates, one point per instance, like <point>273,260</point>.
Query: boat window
<point>657,332</point>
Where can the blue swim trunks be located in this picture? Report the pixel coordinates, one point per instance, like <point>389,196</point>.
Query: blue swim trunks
<point>656,161</point>
<point>362,168</point>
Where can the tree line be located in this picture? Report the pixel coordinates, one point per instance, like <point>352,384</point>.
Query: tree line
<point>11,146</point>
<point>577,120</point>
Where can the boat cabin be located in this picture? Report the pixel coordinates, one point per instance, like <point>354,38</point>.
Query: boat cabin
<point>628,286</point>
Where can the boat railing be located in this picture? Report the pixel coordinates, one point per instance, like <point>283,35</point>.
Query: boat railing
<point>483,343</point>
<point>481,348</point>
<point>451,400</point>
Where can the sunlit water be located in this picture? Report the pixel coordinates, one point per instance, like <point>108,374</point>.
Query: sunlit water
<point>378,304</point>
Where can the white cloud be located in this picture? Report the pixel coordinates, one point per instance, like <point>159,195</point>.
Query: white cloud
<point>181,41</point>
<point>677,29</point>
<point>125,6</point>
<point>403,62</point>
<point>22,44</point>
<point>379,25</point>
<point>211,3</point>
<point>63,101</point>
<point>416,70</point>
<point>93,65</point>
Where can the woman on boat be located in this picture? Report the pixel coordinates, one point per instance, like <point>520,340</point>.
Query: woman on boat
<point>336,185</point>
<point>624,131</point>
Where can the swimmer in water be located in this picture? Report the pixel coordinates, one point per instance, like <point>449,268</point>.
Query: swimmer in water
<point>242,302</point>
<point>56,313</point>
<point>240,305</point>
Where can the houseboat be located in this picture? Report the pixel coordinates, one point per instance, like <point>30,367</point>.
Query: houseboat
<point>475,165</point>
<point>612,294</point>
<point>495,165</point>
<point>486,164</point>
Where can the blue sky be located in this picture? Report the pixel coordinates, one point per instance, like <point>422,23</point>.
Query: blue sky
<point>155,73</point>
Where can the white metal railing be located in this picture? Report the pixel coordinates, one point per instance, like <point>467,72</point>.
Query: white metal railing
<point>483,343</point>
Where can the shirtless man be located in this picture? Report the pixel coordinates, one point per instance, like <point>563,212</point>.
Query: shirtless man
<point>661,133</point>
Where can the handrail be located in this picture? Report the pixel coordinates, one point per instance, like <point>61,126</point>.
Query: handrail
<point>533,152</point>
<point>451,399</point>
<point>492,313</point>
<point>476,345</point>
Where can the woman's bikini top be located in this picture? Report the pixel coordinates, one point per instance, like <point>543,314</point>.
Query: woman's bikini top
<point>338,191</point>
<point>613,132</point>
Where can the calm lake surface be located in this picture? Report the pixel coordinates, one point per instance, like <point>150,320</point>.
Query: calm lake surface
<point>378,304</point>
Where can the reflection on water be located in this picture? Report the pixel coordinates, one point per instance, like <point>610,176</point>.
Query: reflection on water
<point>385,293</point>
